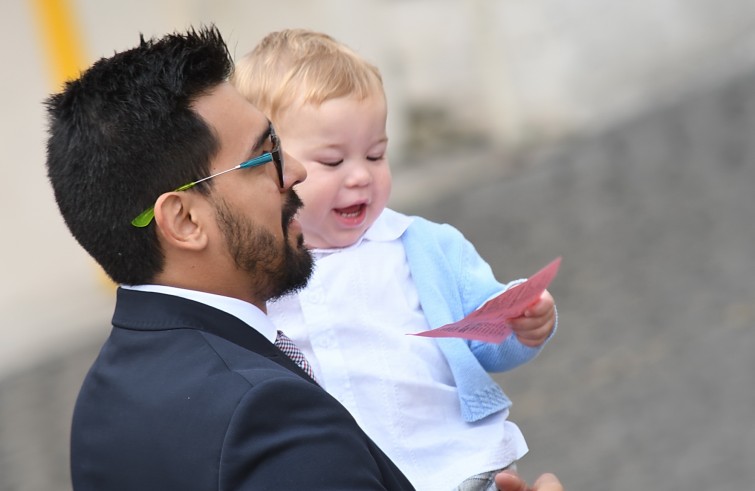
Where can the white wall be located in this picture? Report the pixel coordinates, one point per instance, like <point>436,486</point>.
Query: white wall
<point>528,69</point>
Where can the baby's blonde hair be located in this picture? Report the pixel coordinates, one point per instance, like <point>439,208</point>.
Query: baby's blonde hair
<point>299,65</point>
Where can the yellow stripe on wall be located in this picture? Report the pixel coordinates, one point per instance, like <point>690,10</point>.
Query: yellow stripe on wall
<point>60,38</point>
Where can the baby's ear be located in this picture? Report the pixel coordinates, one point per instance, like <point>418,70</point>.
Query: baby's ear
<point>178,221</point>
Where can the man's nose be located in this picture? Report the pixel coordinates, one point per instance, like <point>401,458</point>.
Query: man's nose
<point>293,171</point>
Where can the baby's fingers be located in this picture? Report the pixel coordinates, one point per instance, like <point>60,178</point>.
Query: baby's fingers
<point>533,331</point>
<point>541,307</point>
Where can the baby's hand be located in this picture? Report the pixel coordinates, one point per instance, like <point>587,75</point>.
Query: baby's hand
<point>534,326</point>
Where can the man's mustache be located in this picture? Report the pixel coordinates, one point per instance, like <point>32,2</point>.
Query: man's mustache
<point>291,207</point>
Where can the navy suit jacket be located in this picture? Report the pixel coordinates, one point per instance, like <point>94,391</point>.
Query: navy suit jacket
<point>186,397</point>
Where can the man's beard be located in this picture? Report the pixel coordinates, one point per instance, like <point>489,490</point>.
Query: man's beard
<point>275,269</point>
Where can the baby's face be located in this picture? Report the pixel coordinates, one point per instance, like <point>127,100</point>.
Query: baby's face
<point>342,144</point>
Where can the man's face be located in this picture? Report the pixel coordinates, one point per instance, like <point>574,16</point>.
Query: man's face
<point>255,216</point>
<point>276,268</point>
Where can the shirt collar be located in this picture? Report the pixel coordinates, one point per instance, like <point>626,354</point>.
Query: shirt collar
<point>390,225</point>
<point>245,311</point>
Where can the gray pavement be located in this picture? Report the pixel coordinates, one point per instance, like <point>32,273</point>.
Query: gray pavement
<point>645,384</point>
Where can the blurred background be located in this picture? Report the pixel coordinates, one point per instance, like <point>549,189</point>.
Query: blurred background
<point>616,134</point>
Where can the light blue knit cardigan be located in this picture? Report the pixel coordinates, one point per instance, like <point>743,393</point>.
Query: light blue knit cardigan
<point>452,280</point>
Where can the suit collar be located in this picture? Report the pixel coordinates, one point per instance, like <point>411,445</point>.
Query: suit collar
<point>150,311</point>
<point>245,311</point>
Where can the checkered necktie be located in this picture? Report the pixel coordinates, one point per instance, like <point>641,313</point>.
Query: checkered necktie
<point>292,351</point>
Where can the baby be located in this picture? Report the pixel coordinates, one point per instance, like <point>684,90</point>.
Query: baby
<point>430,404</point>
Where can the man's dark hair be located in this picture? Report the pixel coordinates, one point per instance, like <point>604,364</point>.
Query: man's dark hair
<point>124,133</point>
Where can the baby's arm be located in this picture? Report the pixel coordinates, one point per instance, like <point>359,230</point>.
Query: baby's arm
<point>477,284</point>
<point>448,259</point>
<point>531,331</point>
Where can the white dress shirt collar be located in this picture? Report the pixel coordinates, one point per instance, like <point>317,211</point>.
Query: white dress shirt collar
<point>389,226</point>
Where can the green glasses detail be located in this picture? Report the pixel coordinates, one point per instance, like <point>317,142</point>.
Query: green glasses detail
<point>145,218</point>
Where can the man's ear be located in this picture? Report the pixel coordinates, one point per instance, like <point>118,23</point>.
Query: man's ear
<point>178,220</point>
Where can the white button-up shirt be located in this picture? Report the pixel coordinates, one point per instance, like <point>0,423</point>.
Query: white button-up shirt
<point>352,322</point>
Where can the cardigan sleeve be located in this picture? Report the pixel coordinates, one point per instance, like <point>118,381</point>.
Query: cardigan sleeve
<point>454,280</point>
<point>477,285</point>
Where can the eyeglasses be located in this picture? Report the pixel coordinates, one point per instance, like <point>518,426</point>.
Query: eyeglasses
<point>144,218</point>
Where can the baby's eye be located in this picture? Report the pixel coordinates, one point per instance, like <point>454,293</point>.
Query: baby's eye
<point>375,158</point>
<point>332,163</point>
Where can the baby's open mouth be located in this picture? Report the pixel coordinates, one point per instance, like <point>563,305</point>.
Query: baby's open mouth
<point>351,211</point>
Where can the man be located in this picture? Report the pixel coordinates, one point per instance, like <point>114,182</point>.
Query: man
<point>177,187</point>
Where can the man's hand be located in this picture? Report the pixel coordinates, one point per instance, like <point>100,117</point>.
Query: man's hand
<point>509,481</point>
